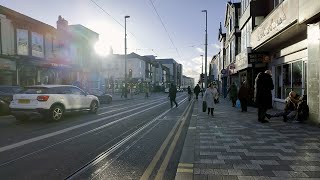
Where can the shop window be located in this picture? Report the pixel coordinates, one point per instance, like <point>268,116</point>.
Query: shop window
<point>278,82</point>
<point>305,78</point>
<point>297,77</point>
<point>290,77</point>
<point>286,80</point>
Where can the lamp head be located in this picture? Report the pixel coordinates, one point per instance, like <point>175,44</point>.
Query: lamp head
<point>127,17</point>
<point>204,11</point>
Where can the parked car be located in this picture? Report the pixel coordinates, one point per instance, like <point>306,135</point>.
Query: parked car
<point>166,90</point>
<point>6,94</point>
<point>103,97</point>
<point>51,101</point>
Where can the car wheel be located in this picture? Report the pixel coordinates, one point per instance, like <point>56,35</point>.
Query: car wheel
<point>56,113</point>
<point>109,100</point>
<point>94,107</point>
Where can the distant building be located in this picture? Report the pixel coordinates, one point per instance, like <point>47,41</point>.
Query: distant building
<point>173,67</point>
<point>187,81</point>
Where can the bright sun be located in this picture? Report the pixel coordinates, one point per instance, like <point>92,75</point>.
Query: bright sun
<point>101,48</point>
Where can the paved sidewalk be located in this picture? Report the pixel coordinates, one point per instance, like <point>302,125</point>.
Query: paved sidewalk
<point>233,145</point>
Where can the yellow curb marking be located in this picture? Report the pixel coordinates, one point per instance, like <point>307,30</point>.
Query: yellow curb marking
<point>146,175</point>
<point>180,170</point>
<point>165,162</point>
<point>185,165</point>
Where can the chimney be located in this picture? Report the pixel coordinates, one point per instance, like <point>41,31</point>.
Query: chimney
<point>62,23</point>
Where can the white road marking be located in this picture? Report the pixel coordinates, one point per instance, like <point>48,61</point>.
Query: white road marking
<point>38,138</point>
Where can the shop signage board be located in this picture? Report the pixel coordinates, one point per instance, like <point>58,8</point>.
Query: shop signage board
<point>7,65</point>
<point>281,17</point>
<point>22,42</point>
<point>254,58</point>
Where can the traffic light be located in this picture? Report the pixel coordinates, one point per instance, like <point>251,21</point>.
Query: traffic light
<point>130,73</point>
<point>202,77</point>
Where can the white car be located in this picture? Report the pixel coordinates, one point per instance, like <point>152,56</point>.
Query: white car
<point>51,101</point>
<point>166,90</point>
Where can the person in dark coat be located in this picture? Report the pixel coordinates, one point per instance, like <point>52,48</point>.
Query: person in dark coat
<point>263,96</point>
<point>243,96</point>
<point>189,93</point>
<point>173,94</point>
<point>233,92</point>
<point>196,90</point>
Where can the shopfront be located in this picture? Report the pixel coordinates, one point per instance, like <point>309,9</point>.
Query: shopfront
<point>7,72</point>
<point>289,74</point>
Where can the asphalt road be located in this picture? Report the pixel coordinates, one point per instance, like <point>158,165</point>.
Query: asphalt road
<point>134,139</point>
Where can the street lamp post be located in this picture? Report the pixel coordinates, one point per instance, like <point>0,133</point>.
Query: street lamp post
<point>201,76</point>
<point>125,56</point>
<point>206,52</point>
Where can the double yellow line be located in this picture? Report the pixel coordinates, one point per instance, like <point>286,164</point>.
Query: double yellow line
<point>146,175</point>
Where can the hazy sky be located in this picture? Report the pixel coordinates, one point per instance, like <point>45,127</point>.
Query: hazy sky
<point>183,19</point>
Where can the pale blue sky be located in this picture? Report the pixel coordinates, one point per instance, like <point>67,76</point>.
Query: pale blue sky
<point>183,19</point>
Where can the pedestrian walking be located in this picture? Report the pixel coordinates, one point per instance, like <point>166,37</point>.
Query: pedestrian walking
<point>122,91</point>
<point>196,90</point>
<point>189,93</point>
<point>173,94</point>
<point>233,93</point>
<point>147,92</point>
<point>209,96</point>
<point>263,97</point>
<point>243,96</point>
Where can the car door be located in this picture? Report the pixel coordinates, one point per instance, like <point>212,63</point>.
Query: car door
<point>81,99</point>
<point>67,94</point>
<point>77,97</point>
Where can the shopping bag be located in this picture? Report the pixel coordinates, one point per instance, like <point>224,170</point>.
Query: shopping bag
<point>238,105</point>
<point>204,106</point>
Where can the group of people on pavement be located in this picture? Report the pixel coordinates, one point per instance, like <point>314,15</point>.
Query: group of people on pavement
<point>296,108</point>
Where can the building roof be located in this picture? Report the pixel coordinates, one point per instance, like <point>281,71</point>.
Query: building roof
<point>14,15</point>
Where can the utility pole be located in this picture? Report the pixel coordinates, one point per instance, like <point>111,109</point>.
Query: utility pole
<point>125,56</point>
<point>206,52</point>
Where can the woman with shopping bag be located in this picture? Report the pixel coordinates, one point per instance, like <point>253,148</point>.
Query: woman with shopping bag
<point>209,96</point>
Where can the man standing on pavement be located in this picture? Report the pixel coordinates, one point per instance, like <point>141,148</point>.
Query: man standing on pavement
<point>263,96</point>
<point>197,90</point>
<point>172,94</point>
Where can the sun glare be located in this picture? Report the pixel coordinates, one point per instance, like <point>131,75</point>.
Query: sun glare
<point>101,48</point>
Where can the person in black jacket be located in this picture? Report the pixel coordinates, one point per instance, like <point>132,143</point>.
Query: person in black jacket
<point>189,93</point>
<point>243,96</point>
<point>197,90</point>
<point>263,96</point>
<point>173,94</point>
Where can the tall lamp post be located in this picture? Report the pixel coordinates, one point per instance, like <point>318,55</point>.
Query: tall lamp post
<point>206,52</point>
<point>125,56</point>
<point>201,75</point>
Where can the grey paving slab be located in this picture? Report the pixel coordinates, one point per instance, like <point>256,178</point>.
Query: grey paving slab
<point>234,145</point>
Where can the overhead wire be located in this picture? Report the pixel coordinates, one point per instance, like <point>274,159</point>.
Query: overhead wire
<point>100,7</point>
<point>160,19</point>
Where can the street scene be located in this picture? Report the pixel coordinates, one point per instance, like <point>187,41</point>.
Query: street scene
<point>154,89</point>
